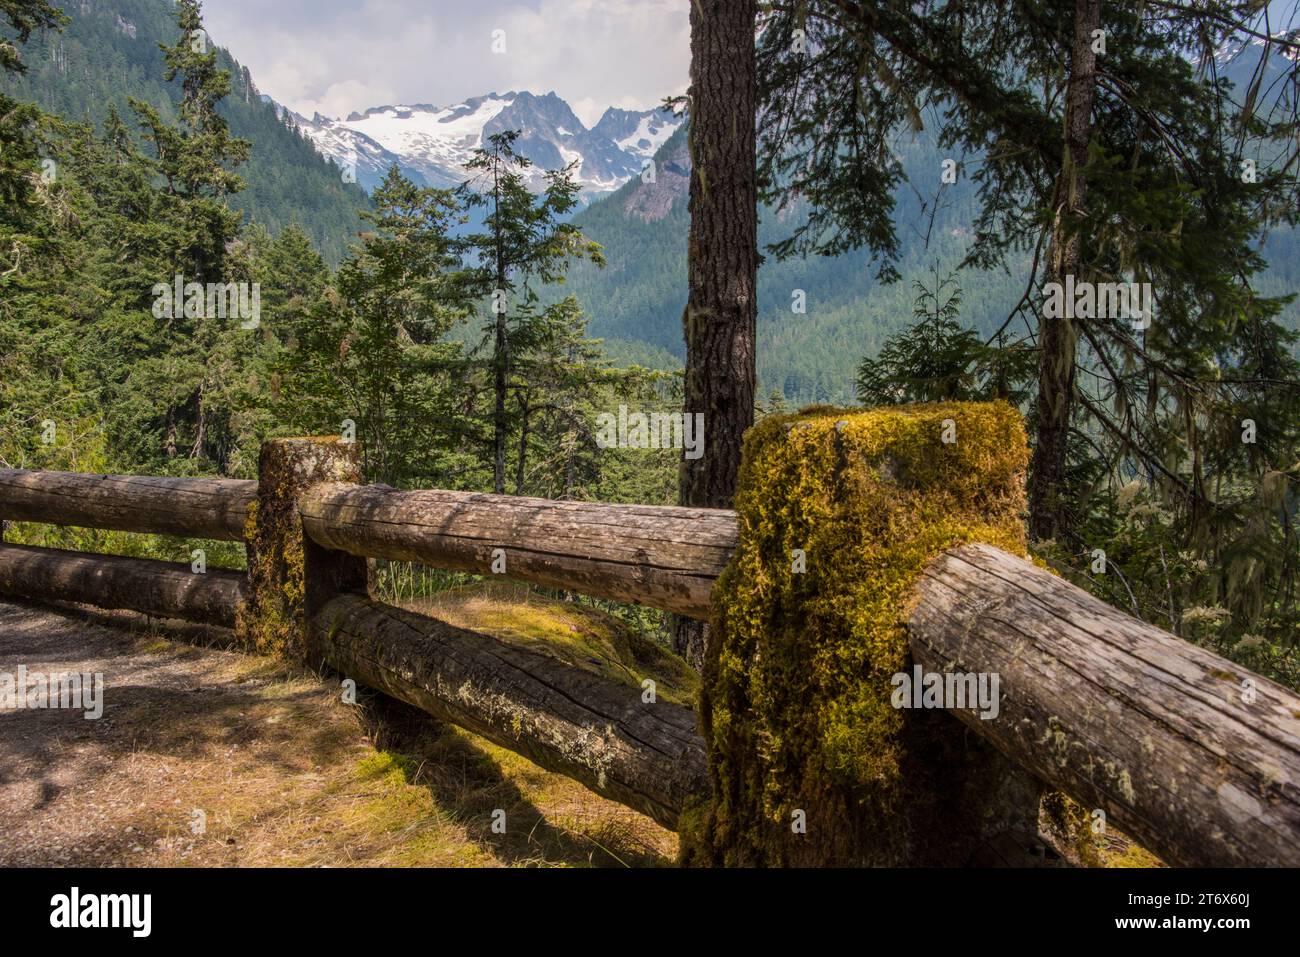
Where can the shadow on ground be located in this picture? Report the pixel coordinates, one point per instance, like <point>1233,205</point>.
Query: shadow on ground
<point>208,757</point>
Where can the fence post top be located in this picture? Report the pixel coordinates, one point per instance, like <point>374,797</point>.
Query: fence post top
<point>291,465</point>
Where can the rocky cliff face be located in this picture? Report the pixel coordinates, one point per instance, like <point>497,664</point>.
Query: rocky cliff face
<point>650,201</point>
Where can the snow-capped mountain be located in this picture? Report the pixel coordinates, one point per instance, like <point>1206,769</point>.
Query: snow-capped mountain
<point>431,144</point>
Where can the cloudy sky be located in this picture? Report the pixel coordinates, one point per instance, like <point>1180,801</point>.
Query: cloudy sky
<point>335,56</point>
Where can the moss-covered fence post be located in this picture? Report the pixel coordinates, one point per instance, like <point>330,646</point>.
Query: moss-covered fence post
<point>290,576</point>
<point>816,755</point>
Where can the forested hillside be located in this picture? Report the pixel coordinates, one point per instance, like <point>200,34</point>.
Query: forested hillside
<point>108,53</point>
<point>812,356</point>
<point>808,355</point>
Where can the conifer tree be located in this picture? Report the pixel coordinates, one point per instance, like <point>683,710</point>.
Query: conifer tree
<point>371,348</point>
<point>525,241</point>
<point>193,231</point>
<point>719,322</point>
<point>32,255</point>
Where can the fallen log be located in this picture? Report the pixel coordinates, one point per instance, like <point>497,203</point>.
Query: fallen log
<point>661,556</point>
<point>1196,758</point>
<point>188,507</point>
<point>165,589</point>
<point>648,756</point>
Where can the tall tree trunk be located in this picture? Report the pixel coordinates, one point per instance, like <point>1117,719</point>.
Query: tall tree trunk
<point>169,435</point>
<point>722,261</point>
<point>568,471</point>
<point>501,354</point>
<point>1057,337</point>
<point>200,431</point>
<point>500,359</point>
<point>522,462</point>
<point>570,455</point>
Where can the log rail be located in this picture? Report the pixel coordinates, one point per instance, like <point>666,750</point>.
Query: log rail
<point>597,731</point>
<point>1191,754</point>
<point>660,556</point>
<point>195,508</point>
<point>1194,756</point>
<point>165,589</point>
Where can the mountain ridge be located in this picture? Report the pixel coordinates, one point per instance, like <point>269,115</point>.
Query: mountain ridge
<point>430,144</point>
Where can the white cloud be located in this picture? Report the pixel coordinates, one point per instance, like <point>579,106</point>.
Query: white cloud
<point>340,99</point>
<point>335,56</point>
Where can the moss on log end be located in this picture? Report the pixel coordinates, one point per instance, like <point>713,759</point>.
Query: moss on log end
<point>839,512</point>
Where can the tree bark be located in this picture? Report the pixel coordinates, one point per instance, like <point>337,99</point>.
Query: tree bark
<point>1193,756</point>
<point>501,351</point>
<point>165,589</point>
<point>661,556</point>
<point>188,507</point>
<point>200,429</point>
<point>648,756</point>
<point>1058,337</point>
<point>500,422</point>
<point>722,257</point>
<point>521,464</point>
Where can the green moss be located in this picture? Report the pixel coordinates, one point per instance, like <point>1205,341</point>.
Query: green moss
<point>273,621</point>
<point>396,769</point>
<point>580,636</point>
<point>1071,823</point>
<point>796,704</point>
<point>1071,826</point>
<point>1130,855</point>
<point>276,572</point>
<point>434,807</point>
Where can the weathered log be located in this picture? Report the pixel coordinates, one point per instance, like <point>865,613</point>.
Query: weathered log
<point>189,507</point>
<point>648,756</point>
<point>166,589</point>
<point>661,556</point>
<point>1196,758</point>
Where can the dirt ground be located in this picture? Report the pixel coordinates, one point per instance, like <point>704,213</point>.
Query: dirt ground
<point>208,757</point>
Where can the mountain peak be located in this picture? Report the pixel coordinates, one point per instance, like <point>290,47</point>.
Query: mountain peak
<point>431,144</point>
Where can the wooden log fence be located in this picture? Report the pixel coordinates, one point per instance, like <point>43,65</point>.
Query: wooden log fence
<point>195,508</point>
<point>662,557</point>
<point>1192,755</point>
<point>597,731</point>
<point>164,589</point>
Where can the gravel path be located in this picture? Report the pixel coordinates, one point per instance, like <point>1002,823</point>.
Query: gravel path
<point>125,788</point>
<point>208,757</point>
